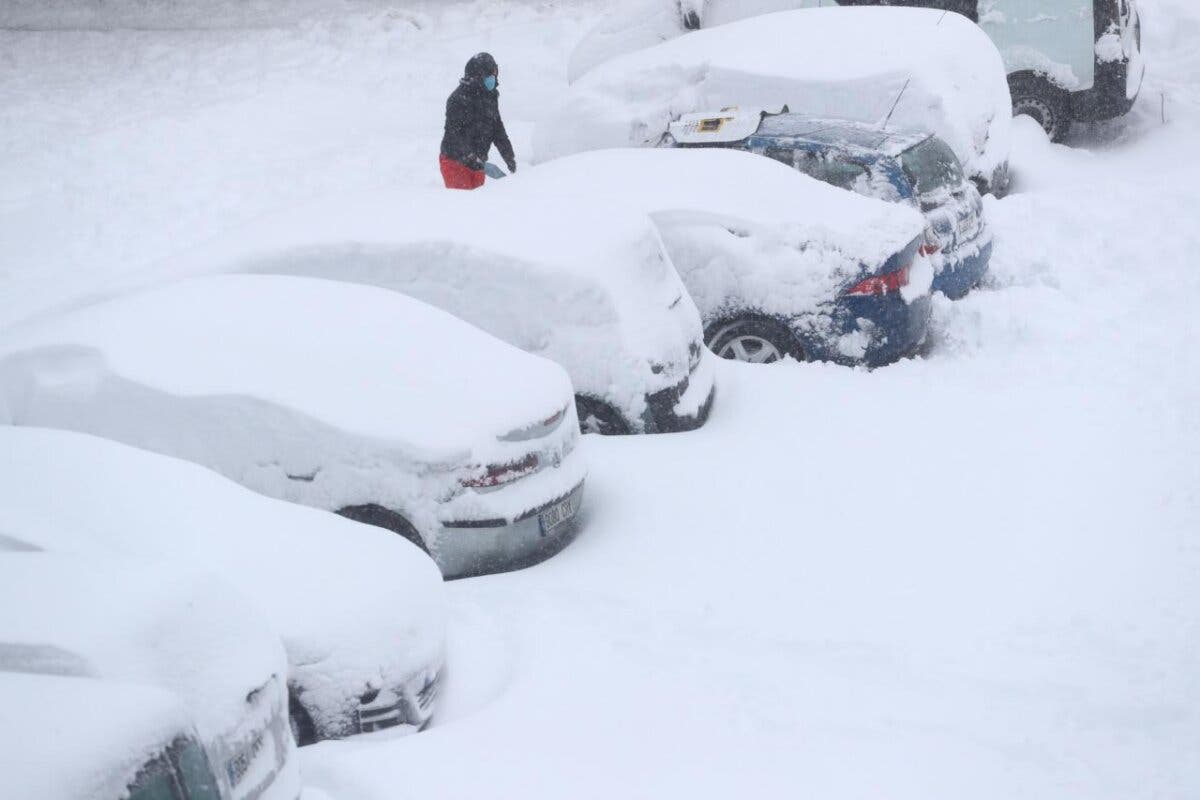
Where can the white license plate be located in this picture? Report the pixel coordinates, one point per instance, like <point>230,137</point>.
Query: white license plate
<point>557,514</point>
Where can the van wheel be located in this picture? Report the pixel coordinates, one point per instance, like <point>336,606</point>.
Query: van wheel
<point>380,517</point>
<point>1038,98</point>
<point>758,340</point>
<point>597,416</point>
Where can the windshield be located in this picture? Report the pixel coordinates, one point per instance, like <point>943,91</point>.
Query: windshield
<point>825,168</point>
<point>931,166</point>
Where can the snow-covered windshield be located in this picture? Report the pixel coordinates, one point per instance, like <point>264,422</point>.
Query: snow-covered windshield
<point>825,168</point>
<point>931,166</point>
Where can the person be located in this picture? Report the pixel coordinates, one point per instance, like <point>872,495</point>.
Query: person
<point>473,125</point>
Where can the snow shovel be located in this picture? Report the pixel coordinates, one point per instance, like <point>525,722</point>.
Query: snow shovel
<point>492,171</point>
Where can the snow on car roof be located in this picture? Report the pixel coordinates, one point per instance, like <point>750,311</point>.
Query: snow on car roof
<point>380,610</point>
<point>337,362</point>
<point>593,243</point>
<point>928,70</point>
<point>143,622</point>
<point>736,186</point>
<point>585,283</point>
<point>70,738</point>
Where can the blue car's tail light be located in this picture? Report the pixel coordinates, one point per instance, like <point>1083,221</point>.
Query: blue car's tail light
<point>881,284</point>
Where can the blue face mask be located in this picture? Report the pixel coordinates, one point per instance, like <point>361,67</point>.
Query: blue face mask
<point>489,82</point>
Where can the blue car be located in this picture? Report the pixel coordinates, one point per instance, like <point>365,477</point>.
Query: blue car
<point>918,169</point>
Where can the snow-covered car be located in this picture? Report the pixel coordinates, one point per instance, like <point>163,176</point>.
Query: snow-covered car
<point>897,68</point>
<point>361,612</point>
<point>341,397</point>
<point>586,285</point>
<point>1066,59</point>
<point>916,169</point>
<point>778,263</point>
<point>160,625</point>
<point>71,738</point>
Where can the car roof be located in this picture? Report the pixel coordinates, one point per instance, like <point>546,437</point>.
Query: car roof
<point>839,133</point>
<point>71,737</point>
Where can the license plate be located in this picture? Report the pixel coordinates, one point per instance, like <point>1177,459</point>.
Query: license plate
<point>557,514</point>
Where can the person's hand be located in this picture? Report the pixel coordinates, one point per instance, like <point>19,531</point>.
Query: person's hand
<point>474,162</point>
<point>511,163</point>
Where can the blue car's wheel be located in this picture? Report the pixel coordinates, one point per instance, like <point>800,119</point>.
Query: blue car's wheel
<point>757,340</point>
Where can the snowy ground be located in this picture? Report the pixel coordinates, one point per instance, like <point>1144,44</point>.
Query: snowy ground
<point>973,574</point>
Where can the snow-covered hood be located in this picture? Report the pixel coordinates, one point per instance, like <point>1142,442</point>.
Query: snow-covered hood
<point>356,606</point>
<point>300,352</point>
<point>158,624</point>
<point>114,729</point>
<point>947,74</point>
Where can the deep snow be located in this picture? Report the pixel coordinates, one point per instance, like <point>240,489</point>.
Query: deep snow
<point>971,574</point>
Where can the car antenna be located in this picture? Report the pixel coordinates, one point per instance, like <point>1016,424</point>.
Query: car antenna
<point>896,102</point>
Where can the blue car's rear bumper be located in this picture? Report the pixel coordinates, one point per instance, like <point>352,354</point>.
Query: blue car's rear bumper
<point>871,330</point>
<point>962,273</point>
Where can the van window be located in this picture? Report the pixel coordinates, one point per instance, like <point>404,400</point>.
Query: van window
<point>827,169</point>
<point>931,166</point>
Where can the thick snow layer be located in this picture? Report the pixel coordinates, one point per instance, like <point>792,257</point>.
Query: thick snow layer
<point>742,230</point>
<point>851,63</point>
<point>971,574</point>
<point>356,606</point>
<point>319,392</point>
<point>585,283</point>
<point>78,738</point>
<point>142,621</point>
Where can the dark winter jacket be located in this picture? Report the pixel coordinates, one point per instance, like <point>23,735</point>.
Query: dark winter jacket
<point>473,121</point>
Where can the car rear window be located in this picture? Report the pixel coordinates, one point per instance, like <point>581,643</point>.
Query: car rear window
<point>824,168</point>
<point>932,165</point>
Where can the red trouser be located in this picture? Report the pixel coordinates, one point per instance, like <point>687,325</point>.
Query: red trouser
<point>459,176</point>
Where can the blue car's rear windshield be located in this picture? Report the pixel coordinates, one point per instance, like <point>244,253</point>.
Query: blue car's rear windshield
<point>932,165</point>
<point>826,168</point>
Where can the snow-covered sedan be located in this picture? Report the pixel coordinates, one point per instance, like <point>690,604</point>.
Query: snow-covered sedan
<point>778,263</point>
<point>328,394</point>
<point>914,168</point>
<point>361,612</point>
<point>71,738</point>
<point>896,68</point>
<point>163,626</point>
<point>586,285</point>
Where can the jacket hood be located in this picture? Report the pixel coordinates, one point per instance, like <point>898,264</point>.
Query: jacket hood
<point>479,65</point>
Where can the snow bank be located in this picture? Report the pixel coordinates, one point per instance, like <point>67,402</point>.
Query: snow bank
<point>319,392</point>
<point>927,70</point>
<point>172,627</point>
<point>585,283</point>
<point>76,738</point>
<point>743,230</point>
<point>356,607</point>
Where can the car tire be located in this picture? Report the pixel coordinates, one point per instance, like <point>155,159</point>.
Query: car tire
<point>380,517</point>
<point>758,340</point>
<point>300,723</point>
<point>1046,103</point>
<point>597,416</point>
